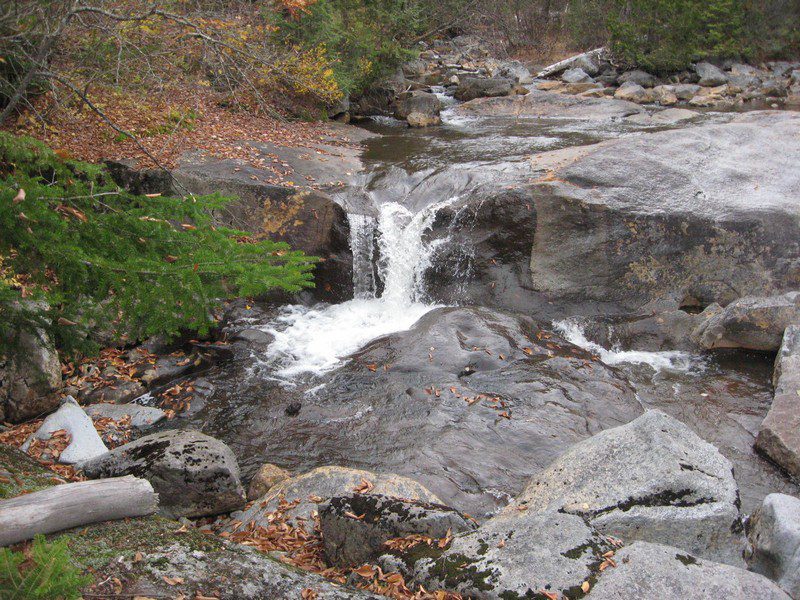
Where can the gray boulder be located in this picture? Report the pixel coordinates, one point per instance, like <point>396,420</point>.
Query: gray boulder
<point>30,376</point>
<point>685,91</point>
<point>654,480</point>
<point>194,475</point>
<point>710,76</point>
<point>651,571</point>
<point>419,102</point>
<point>774,88</point>
<point>85,442</point>
<point>684,214</point>
<point>511,557</point>
<point>589,64</point>
<point>306,491</point>
<point>472,87</point>
<point>754,323</point>
<point>774,533</point>
<point>516,71</point>
<point>779,434</point>
<point>576,76</point>
<point>633,92</point>
<point>638,77</point>
<point>355,527</point>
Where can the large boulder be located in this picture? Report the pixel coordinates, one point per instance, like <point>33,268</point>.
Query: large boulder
<point>355,527</point>
<point>644,570</point>
<point>30,377</point>
<point>511,557</point>
<point>752,322</point>
<point>304,492</point>
<point>539,103</point>
<point>654,480</point>
<point>419,102</point>
<point>576,75</point>
<point>710,76</point>
<point>473,87</point>
<point>308,220</point>
<point>638,77</point>
<point>194,475</point>
<point>689,214</point>
<point>779,434</point>
<point>774,534</point>
<point>633,92</point>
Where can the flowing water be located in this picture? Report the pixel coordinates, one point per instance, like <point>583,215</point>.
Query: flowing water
<point>411,176</point>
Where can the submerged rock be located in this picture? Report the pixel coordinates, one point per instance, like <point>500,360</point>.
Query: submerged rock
<point>646,570</point>
<point>193,474</point>
<point>652,480</point>
<point>355,527</point>
<point>752,322</point>
<point>689,213</point>
<point>85,442</point>
<point>779,434</point>
<point>774,533</point>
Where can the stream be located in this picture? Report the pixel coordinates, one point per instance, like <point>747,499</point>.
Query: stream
<point>350,384</point>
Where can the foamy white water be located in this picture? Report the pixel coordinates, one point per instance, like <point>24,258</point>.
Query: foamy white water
<point>573,332</point>
<point>315,340</point>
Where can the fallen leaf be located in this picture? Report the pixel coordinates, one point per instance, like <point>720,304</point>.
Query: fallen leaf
<point>585,587</point>
<point>365,571</point>
<point>172,580</point>
<point>19,197</point>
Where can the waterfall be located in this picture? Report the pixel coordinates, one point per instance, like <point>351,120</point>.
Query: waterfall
<point>315,340</point>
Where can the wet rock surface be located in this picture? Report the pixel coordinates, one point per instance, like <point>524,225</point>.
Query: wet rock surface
<point>674,223</point>
<point>774,533</point>
<point>194,474</point>
<point>354,528</point>
<point>469,402</point>
<point>651,480</point>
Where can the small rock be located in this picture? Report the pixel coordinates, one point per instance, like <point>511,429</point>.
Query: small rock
<point>710,76</point>
<point>664,95</point>
<point>774,533</point>
<point>685,91</point>
<point>85,442</point>
<point>774,88</point>
<point>141,416</point>
<point>653,571</point>
<point>355,527</point>
<point>654,480</point>
<point>194,474</point>
<point>638,77</point>
<point>267,476</point>
<point>576,76</point>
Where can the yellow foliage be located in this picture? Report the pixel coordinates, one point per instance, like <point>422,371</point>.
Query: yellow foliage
<point>309,72</point>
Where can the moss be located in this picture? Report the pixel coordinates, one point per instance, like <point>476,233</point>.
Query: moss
<point>24,473</point>
<point>97,545</point>
<point>455,569</point>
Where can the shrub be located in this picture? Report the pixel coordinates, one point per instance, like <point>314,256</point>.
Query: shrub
<point>84,254</point>
<point>46,573</point>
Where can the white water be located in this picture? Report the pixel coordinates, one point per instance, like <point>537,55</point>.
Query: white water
<point>315,340</point>
<point>673,360</point>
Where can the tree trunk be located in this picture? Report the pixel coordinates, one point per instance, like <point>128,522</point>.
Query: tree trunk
<point>73,505</point>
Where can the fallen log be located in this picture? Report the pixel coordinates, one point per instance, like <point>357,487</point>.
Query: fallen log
<point>73,505</point>
<point>565,64</point>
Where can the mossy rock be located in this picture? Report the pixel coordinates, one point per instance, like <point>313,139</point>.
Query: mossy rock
<point>21,474</point>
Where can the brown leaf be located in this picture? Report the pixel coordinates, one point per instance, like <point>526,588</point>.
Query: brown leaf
<point>65,322</point>
<point>19,197</point>
<point>170,259</point>
<point>354,516</point>
<point>365,571</point>
<point>172,580</point>
<point>448,537</point>
<point>585,587</point>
